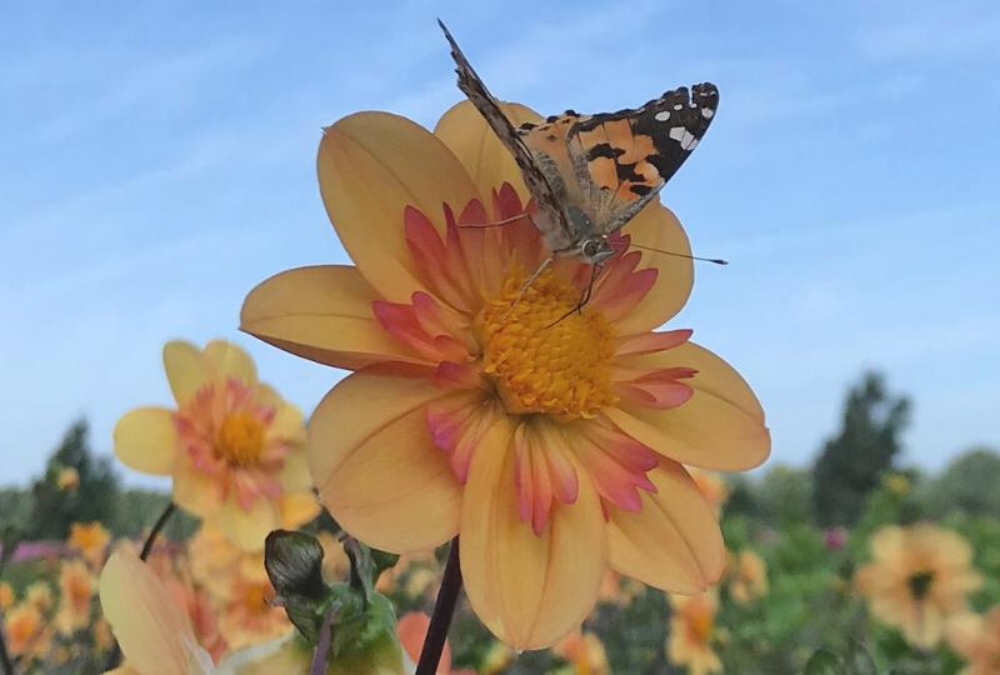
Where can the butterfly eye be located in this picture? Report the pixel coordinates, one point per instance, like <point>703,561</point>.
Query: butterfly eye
<point>589,248</point>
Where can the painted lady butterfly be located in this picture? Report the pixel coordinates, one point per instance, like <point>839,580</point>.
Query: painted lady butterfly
<point>589,175</point>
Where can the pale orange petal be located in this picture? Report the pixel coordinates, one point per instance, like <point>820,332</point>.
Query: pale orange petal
<point>372,165</point>
<point>247,529</point>
<point>297,509</point>
<point>487,160</point>
<point>529,590</point>
<point>657,227</point>
<point>231,362</point>
<point>155,636</point>
<point>377,471</point>
<point>295,476</point>
<point>721,427</point>
<point>194,491</point>
<point>146,440</point>
<point>188,370</point>
<point>412,631</point>
<point>674,543</point>
<point>321,313</point>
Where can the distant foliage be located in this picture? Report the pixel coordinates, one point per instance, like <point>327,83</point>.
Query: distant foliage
<point>93,498</point>
<point>970,484</point>
<point>785,495</point>
<point>852,463</point>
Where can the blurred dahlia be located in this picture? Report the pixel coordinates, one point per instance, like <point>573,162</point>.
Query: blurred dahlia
<point>77,587</point>
<point>233,447</point>
<point>747,577</point>
<point>692,633</point>
<point>584,654</point>
<point>551,441</point>
<point>25,631</point>
<point>977,640</point>
<point>918,578</point>
<point>90,540</point>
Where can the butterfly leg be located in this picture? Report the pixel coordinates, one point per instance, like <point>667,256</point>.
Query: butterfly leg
<point>496,223</point>
<point>527,284</point>
<point>595,271</point>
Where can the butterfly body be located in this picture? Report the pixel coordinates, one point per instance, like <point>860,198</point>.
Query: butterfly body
<point>589,175</point>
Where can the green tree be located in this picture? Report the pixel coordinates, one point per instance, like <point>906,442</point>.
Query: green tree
<point>94,498</point>
<point>969,484</point>
<point>852,462</point>
<point>785,495</point>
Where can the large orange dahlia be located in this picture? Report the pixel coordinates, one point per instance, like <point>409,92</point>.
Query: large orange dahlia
<point>552,441</point>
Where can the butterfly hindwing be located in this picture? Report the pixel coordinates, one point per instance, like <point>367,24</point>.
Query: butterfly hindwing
<point>631,154</point>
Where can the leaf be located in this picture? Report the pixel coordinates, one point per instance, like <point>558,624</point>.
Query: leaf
<point>860,660</point>
<point>824,662</point>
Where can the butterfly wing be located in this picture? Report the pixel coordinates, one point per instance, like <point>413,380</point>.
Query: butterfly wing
<point>540,174</point>
<point>625,158</point>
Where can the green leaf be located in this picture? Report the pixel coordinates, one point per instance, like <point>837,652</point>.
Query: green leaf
<point>860,660</point>
<point>824,662</point>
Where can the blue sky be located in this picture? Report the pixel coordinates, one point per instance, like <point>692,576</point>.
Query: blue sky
<point>157,161</point>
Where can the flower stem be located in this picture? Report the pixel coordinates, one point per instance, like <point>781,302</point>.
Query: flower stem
<point>444,609</point>
<point>115,657</point>
<point>322,653</point>
<point>147,547</point>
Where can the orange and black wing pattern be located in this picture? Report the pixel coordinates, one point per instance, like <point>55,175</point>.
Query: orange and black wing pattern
<point>624,158</point>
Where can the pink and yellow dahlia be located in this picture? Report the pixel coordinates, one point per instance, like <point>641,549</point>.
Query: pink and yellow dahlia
<point>976,638</point>
<point>584,653</point>
<point>551,441</point>
<point>747,577</point>
<point>233,447</point>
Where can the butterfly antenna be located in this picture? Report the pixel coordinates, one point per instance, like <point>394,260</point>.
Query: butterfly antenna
<point>714,261</point>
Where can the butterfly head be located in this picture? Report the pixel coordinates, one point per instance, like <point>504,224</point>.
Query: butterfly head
<point>596,249</point>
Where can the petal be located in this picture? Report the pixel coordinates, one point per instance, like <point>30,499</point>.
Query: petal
<point>247,528</point>
<point>372,165</point>
<point>187,369</point>
<point>674,543</point>
<point>231,362</point>
<point>376,467</point>
<point>657,227</point>
<point>412,631</point>
<point>155,635</point>
<point>321,313</point>
<point>195,492</point>
<point>146,440</point>
<point>486,159</point>
<point>721,427</point>
<point>295,476</point>
<point>297,508</point>
<point>530,590</point>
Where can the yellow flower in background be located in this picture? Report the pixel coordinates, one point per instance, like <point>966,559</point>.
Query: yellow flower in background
<point>90,539</point>
<point>918,578</point>
<point>76,590</point>
<point>497,659</point>
<point>246,613</point>
<point>239,588</point>
<point>233,447</point>
<point>551,441</point>
<point>897,483</point>
<point>977,640</point>
<point>619,590</point>
<point>712,485</point>
<point>584,652</point>
<point>25,631</point>
<point>68,479</point>
<point>692,631</point>
<point>39,594</point>
<point>6,596</point>
<point>747,577</point>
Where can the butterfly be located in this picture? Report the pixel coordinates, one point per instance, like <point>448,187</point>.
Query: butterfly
<point>589,175</point>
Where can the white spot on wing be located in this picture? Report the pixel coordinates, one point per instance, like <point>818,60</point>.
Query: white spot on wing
<point>662,116</point>
<point>707,113</point>
<point>678,106</point>
<point>684,138</point>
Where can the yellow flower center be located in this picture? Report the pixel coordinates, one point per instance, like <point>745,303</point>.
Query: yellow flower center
<point>240,439</point>
<point>700,626</point>
<point>920,584</point>
<point>544,357</point>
